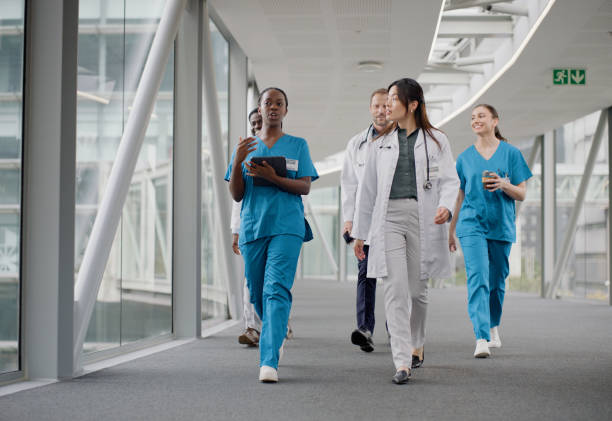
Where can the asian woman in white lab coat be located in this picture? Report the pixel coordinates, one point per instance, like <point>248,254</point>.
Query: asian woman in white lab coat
<point>403,205</point>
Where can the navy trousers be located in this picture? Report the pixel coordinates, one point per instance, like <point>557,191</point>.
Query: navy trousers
<point>366,295</point>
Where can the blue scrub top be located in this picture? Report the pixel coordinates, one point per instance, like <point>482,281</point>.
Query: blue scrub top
<point>268,210</point>
<point>491,214</point>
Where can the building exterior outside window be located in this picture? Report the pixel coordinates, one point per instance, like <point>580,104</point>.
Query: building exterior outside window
<point>315,261</point>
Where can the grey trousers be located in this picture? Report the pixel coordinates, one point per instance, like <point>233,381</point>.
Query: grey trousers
<point>405,293</point>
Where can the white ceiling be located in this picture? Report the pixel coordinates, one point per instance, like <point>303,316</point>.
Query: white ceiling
<point>310,48</point>
<point>574,34</point>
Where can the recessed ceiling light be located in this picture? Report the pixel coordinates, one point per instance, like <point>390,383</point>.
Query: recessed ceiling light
<point>369,66</point>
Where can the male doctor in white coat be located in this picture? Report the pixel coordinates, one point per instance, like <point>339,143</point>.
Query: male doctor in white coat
<point>352,174</point>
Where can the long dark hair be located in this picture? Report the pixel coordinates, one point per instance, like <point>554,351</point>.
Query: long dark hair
<point>494,113</point>
<point>409,90</point>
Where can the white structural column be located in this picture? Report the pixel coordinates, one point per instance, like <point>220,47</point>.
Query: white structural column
<point>187,190</point>
<point>111,206</point>
<point>223,206</point>
<point>49,187</point>
<point>319,232</point>
<point>549,213</point>
<point>570,230</point>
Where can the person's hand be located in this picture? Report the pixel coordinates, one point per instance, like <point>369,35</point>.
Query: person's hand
<point>348,227</point>
<point>442,215</point>
<point>495,182</point>
<point>235,244</point>
<point>359,253</point>
<point>264,170</point>
<point>452,242</point>
<point>244,148</point>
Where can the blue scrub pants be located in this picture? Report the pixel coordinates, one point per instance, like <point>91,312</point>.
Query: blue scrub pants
<point>486,265</point>
<point>269,265</point>
<point>366,295</point>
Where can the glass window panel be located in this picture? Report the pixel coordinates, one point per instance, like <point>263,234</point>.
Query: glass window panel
<point>146,301</point>
<point>221,64</point>
<point>214,292</point>
<point>134,301</point>
<point>586,272</point>
<point>11,92</point>
<point>526,254</point>
<point>10,184</point>
<point>324,204</point>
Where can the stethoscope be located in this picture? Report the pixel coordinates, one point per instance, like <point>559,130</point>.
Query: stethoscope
<point>365,141</point>
<point>427,185</point>
<point>365,138</point>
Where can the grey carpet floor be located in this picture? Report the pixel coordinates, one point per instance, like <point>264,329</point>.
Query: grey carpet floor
<point>556,363</point>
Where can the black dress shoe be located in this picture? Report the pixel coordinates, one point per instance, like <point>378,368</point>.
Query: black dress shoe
<point>401,377</point>
<point>416,361</point>
<point>360,337</point>
<point>363,339</point>
<point>369,345</point>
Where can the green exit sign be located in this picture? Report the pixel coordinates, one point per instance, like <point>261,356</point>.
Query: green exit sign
<point>569,76</point>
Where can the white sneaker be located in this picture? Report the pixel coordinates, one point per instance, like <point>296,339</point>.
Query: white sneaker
<point>268,374</point>
<point>495,341</point>
<point>482,349</point>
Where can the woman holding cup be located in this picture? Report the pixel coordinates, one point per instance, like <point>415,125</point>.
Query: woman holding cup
<point>493,176</point>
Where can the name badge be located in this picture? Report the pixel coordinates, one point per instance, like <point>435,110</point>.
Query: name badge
<point>292,164</point>
<point>433,173</point>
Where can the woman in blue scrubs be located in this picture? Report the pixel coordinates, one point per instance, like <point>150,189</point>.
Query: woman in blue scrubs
<point>272,226</point>
<point>493,176</point>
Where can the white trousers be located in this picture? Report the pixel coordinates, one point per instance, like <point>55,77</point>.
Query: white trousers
<point>405,293</point>
<point>251,319</point>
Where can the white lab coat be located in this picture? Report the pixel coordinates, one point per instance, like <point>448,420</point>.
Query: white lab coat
<point>373,198</point>
<point>352,171</point>
<point>235,220</point>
